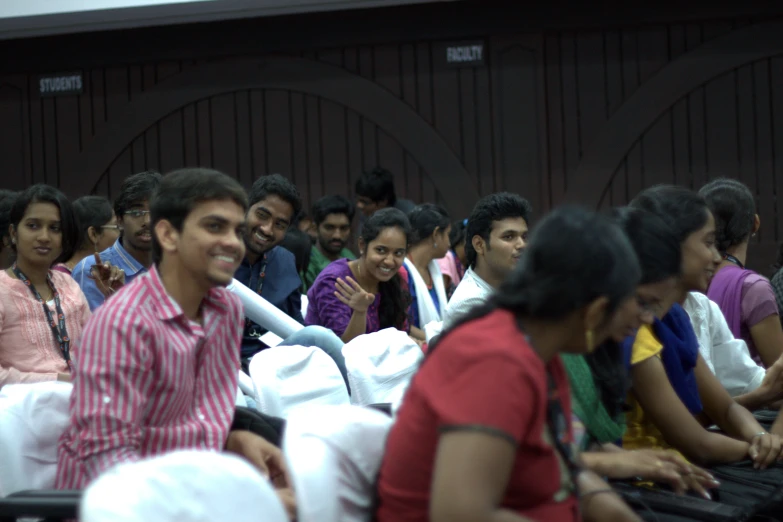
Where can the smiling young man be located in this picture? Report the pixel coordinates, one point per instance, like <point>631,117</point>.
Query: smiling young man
<point>157,366</point>
<point>495,237</point>
<point>270,270</point>
<point>132,252</point>
<point>332,216</point>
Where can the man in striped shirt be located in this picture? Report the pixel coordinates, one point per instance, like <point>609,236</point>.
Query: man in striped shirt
<point>156,368</point>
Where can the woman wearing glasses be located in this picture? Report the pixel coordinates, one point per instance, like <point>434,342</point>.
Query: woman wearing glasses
<point>42,311</point>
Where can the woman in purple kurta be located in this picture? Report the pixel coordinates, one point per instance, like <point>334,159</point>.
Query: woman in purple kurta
<point>746,298</point>
<point>368,294</point>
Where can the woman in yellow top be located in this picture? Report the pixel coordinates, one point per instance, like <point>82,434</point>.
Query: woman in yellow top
<point>674,393</point>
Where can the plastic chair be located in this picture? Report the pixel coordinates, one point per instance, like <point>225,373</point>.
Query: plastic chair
<point>380,366</point>
<point>334,454</point>
<point>287,377</point>
<point>32,418</point>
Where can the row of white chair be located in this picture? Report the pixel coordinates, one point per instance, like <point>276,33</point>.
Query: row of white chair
<point>333,454</point>
<point>380,366</point>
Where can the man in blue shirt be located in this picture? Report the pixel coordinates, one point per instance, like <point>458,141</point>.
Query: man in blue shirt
<point>270,270</point>
<point>132,252</point>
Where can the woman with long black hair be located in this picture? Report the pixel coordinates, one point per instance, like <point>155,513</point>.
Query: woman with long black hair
<point>484,432</point>
<point>365,295</point>
<point>599,380</point>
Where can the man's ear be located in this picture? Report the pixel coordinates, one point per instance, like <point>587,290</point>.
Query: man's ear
<point>167,236</point>
<point>479,245</point>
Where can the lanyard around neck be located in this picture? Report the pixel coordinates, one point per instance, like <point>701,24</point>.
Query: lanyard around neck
<point>59,330</point>
<point>733,260</point>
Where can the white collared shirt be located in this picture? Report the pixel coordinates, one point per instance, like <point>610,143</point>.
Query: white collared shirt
<point>472,291</point>
<point>728,358</point>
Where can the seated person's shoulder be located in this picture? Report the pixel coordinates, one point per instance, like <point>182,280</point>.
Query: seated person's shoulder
<point>645,345</point>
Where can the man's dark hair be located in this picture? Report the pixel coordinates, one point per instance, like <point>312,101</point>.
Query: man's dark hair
<point>136,189</point>
<point>276,185</point>
<point>69,225</point>
<point>377,185</point>
<point>734,208</point>
<point>6,201</point>
<point>300,245</point>
<point>179,193</point>
<point>91,211</point>
<point>331,205</point>
<point>495,207</point>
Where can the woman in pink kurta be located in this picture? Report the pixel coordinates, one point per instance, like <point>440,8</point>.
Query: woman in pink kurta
<point>42,312</point>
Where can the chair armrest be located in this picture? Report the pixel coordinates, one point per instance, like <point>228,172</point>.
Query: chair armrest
<point>49,504</point>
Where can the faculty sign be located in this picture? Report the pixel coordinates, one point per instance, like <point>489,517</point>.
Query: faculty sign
<point>61,84</point>
<point>465,54</point>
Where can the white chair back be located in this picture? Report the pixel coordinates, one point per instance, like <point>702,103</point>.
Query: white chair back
<point>380,366</point>
<point>334,454</point>
<point>183,486</point>
<point>287,377</point>
<point>32,418</point>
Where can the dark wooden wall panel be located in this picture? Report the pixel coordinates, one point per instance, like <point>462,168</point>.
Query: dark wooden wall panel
<point>523,122</point>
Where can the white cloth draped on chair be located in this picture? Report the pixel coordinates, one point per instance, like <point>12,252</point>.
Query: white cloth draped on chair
<point>287,377</point>
<point>334,454</point>
<point>32,418</point>
<point>183,486</point>
<point>380,366</point>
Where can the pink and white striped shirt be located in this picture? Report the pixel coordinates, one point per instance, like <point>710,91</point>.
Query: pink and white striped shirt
<point>149,381</point>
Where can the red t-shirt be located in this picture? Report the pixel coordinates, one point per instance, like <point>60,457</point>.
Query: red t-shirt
<point>482,374</point>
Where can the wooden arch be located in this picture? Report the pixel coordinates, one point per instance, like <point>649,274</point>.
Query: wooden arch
<point>604,155</point>
<point>368,99</point>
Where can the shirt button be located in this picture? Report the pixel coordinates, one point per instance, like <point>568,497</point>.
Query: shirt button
<point>106,399</point>
<point>201,417</point>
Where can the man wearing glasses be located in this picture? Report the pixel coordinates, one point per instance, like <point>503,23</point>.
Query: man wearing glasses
<point>132,252</point>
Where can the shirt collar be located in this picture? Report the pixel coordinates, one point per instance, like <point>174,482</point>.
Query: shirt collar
<point>470,273</point>
<point>131,265</point>
<point>168,309</point>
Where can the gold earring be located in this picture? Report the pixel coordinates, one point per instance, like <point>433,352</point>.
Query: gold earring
<point>589,340</point>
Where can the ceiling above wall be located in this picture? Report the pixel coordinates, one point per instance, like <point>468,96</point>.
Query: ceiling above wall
<point>43,17</point>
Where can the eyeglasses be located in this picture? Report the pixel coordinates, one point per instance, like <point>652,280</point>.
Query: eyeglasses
<point>136,214</point>
<point>113,227</point>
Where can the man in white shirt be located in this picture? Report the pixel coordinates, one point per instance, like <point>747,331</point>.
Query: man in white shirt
<point>729,359</point>
<point>495,237</point>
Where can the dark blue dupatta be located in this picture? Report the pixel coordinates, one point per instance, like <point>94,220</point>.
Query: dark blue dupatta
<point>679,355</point>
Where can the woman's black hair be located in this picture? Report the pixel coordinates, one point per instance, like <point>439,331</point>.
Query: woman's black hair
<point>574,256</point>
<point>659,255</point>
<point>657,247</point>
<point>300,245</point>
<point>6,202</point>
<point>69,225</point>
<point>684,211</point>
<point>425,219</point>
<point>393,310</point>
<point>457,234</point>
<point>734,208</point>
<point>91,211</point>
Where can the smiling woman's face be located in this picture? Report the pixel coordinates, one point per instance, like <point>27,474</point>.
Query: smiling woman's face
<point>700,258</point>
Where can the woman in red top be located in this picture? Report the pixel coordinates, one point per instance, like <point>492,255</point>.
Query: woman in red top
<point>484,433</point>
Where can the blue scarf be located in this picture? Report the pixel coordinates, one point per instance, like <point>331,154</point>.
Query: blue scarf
<point>679,355</point>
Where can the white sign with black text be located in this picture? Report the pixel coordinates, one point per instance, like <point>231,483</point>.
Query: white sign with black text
<point>465,54</point>
<point>61,84</point>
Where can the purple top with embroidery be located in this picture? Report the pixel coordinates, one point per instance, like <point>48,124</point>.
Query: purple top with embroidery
<point>324,309</point>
